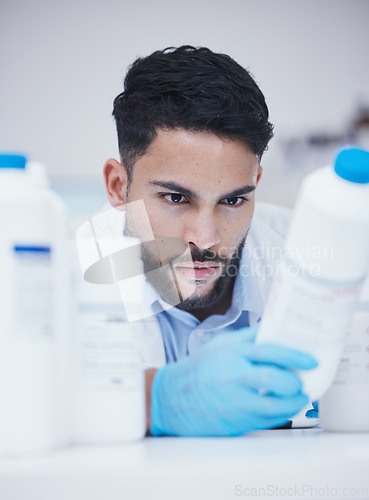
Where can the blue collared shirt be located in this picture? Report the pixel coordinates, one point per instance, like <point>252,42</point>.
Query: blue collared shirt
<point>183,333</point>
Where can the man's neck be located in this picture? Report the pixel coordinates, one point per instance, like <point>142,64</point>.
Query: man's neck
<point>219,306</point>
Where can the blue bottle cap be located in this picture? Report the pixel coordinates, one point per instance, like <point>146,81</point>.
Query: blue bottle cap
<point>352,164</point>
<point>8,160</point>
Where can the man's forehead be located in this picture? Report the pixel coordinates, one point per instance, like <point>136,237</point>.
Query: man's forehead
<point>186,158</point>
<point>192,139</point>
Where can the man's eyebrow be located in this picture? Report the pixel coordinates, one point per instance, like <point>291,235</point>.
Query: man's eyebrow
<point>173,186</point>
<point>177,188</point>
<point>239,192</point>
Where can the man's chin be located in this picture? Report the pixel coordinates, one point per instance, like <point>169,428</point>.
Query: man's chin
<point>189,287</point>
<point>183,293</point>
<point>204,295</point>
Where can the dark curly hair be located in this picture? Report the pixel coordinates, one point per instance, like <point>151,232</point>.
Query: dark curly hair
<point>190,88</point>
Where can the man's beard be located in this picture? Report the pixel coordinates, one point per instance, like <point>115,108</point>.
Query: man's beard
<point>160,256</point>
<point>230,268</point>
<point>160,271</point>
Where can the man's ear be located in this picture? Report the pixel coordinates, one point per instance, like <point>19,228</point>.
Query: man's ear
<point>259,174</point>
<point>115,177</point>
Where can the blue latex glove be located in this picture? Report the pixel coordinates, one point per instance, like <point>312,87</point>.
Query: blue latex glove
<point>229,387</point>
<point>314,412</point>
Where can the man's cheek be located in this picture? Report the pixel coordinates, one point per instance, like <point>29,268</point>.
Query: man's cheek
<point>227,252</point>
<point>162,226</point>
<point>138,221</point>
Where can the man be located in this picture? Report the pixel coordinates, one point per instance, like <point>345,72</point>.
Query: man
<point>192,128</point>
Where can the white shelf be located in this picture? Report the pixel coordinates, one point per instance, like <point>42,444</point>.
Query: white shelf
<point>278,461</point>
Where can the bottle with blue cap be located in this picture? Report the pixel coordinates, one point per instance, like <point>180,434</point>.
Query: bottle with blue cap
<point>325,260</point>
<point>34,312</point>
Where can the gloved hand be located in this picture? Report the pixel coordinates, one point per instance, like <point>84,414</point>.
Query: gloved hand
<point>229,387</point>
<point>314,412</point>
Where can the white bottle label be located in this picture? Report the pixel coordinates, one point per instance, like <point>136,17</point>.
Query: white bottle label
<point>108,356</point>
<point>354,365</point>
<point>32,286</point>
<point>302,311</point>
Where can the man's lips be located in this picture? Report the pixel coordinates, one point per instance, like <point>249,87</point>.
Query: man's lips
<point>197,270</point>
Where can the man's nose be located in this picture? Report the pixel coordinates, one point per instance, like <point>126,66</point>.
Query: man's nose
<point>201,229</point>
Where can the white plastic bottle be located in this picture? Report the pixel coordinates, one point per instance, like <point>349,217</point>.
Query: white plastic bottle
<point>345,406</point>
<point>108,350</point>
<point>326,257</point>
<point>37,173</point>
<point>33,293</point>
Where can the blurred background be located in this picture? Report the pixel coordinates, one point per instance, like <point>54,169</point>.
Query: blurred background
<point>63,62</point>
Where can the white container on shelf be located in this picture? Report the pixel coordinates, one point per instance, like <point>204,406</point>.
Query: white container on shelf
<point>108,373</point>
<point>345,406</point>
<point>109,350</point>
<point>34,312</point>
<point>326,257</point>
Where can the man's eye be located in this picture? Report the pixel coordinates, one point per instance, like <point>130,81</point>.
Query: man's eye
<point>174,197</point>
<point>235,201</point>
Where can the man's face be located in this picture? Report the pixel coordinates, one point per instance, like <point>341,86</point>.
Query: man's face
<point>199,188</point>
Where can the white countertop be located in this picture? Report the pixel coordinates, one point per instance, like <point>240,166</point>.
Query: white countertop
<point>289,463</point>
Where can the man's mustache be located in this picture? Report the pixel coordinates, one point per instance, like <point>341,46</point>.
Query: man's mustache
<point>206,256</point>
